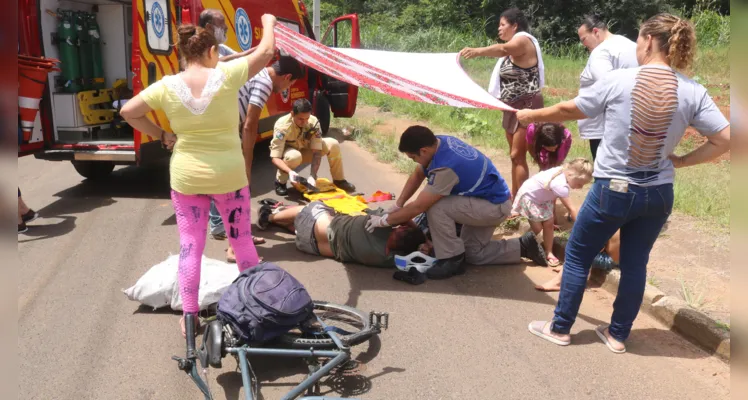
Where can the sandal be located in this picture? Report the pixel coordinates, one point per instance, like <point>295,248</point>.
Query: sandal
<point>258,240</point>
<point>272,203</point>
<point>600,330</point>
<point>537,327</point>
<point>553,262</point>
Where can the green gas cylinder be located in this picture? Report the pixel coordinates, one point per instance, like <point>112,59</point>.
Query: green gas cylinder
<point>96,58</point>
<point>67,41</point>
<point>84,53</point>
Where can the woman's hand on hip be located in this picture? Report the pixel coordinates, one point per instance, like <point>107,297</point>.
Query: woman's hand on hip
<point>168,140</point>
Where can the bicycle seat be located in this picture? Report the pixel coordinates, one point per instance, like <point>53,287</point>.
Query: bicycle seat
<point>212,350</point>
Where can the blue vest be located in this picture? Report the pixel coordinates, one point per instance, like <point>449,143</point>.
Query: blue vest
<point>478,176</point>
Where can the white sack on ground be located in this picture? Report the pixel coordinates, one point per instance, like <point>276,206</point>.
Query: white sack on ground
<point>159,287</point>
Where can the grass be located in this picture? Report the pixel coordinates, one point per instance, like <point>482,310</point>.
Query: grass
<point>722,325</point>
<point>653,280</point>
<point>693,296</point>
<point>384,147</point>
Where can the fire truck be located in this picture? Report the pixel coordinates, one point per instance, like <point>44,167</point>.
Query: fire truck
<point>110,50</point>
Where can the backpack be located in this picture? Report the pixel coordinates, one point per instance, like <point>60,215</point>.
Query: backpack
<point>264,302</point>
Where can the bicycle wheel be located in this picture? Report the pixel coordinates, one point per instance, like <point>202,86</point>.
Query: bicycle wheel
<point>343,317</point>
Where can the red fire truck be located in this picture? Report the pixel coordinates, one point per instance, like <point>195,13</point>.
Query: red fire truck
<point>111,49</point>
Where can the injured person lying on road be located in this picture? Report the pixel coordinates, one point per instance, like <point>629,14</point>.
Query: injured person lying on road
<point>323,232</point>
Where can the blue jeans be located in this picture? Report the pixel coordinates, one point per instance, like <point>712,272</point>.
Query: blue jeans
<point>215,221</point>
<point>640,214</point>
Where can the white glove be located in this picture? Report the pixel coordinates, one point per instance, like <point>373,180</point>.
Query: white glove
<point>377,222</point>
<point>394,208</point>
<point>293,176</point>
<point>311,181</point>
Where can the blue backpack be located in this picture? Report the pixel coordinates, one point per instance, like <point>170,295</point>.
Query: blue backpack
<point>264,302</point>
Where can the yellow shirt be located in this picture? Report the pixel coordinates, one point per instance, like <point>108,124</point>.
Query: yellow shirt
<point>286,133</point>
<point>208,155</point>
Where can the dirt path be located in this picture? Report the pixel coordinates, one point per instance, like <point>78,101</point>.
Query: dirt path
<point>688,261</point>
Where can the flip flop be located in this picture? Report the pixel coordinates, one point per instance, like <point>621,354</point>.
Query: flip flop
<point>553,262</point>
<point>600,330</point>
<point>272,203</point>
<point>258,240</point>
<point>536,328</point>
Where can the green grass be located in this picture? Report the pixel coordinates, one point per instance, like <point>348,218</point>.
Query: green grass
<point>693,296</point>
<point>384,147</point>
<point>722,325</point>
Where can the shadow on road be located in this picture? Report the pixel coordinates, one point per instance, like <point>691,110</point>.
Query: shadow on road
<point>346,381</point>
<point>649,342</point>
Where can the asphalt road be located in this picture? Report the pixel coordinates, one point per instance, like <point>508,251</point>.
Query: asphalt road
<point>80,338</point>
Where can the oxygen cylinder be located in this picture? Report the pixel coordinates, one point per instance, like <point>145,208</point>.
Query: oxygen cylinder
<point>84,52</point>
<point>96,57</point>
<point>68,46</point>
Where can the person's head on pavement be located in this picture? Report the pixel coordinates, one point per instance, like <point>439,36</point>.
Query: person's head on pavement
<point>301,112</point>
<point>214,22</point>
<point>197,46</point>
<point>284,72</point>
<point>512,21</point>
<point>406,239</point>
<point>419,144</point>
<point>593,30</point>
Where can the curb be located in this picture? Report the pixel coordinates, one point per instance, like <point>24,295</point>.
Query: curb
<point>693,325</point>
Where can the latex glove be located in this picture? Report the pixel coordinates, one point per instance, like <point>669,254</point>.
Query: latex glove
<point>377,222</point>
<point>393,208</point>
<point>293,176</point>
<point>311,181</point>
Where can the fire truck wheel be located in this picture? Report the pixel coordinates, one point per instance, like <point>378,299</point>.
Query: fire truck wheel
<point>322,112</point>
<point>93,169</point>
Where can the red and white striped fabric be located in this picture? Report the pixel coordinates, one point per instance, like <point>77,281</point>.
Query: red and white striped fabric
<point>435,78</point>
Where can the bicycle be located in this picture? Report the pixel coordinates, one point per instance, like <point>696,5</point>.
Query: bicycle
<point>316,339</point>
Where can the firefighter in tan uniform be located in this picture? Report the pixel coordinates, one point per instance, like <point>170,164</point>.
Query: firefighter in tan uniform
<point>297,140</point>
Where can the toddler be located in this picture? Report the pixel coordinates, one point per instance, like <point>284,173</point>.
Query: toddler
<point>538,194</point>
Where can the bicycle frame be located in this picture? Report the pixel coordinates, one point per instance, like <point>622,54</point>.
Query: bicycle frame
<point>338,357</point>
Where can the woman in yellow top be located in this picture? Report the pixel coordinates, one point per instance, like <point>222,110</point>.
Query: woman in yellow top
<point>200,103</point>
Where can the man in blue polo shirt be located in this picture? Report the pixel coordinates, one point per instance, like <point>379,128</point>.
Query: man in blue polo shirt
<point>463,186</point>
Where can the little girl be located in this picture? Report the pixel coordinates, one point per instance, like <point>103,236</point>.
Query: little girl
<point>538,194</point>
<point>548,144</point>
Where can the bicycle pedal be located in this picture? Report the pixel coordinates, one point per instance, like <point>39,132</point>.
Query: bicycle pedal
<point>379,319</point>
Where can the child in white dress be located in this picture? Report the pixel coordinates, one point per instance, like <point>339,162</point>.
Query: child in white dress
<point>536,197</point>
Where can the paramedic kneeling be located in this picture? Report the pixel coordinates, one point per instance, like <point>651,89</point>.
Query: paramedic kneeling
<point>297,139</point>
<point>463,187</point>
